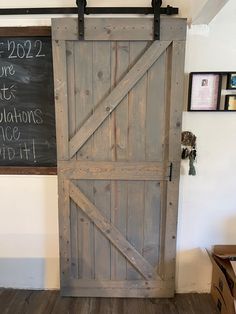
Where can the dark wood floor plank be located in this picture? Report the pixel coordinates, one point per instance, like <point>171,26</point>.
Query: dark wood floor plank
<point>63,305</point>
<point>6,298</point>
<point>117,306</point>
<point>50,302</point>
<point>80,305</point>
<point>40,302</point>
<point>161,306</point>
<point>134,306</point>
<point>184,304</point>
<point>19,301</point>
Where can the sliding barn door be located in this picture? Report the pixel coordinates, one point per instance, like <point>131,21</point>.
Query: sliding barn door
<point>119,97</point>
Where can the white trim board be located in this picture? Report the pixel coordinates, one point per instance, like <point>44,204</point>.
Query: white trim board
<point>209,11</point>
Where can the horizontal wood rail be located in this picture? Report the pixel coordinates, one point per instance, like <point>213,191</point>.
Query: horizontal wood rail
<point>90,170</point>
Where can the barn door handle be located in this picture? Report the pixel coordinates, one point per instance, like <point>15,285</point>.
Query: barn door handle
<point>170,171</point>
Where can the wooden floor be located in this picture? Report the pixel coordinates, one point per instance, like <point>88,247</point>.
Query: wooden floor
<point>30,302</point>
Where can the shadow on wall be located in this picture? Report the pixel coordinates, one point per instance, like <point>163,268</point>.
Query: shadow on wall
<point>229,231</point>
<point>51,240</point>
<point>29,273</point>
<point>193,271</point>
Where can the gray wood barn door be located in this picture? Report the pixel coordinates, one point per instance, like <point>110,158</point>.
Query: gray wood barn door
<point>119,98</point>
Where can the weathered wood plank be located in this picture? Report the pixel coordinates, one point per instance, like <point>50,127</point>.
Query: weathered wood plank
<point>152,223</point>
<point>163,186</point>
<point>174,151</point>
<point>70,62</point>
<point>36,302</point>
<point>112,233</point>
<point>155,111</point>
<point>105,108</point>
<point>155,134</point>
<point>136,152</point>
<point>100,170</point>
<point>115,29</point>
<point>61,104</point>
<point>126,284</point>
<point>102,151</point>
<point>84,107</point>
<point>119,131</point>
<point>40,302</point>
<point>118,218</point>
<point>104,292</point>
<point>84,97</point>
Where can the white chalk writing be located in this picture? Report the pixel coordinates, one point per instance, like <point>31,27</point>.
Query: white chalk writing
<point>23,151</point>
<point>27,49</point>
<point>7,92</point>
<point>7,70</point>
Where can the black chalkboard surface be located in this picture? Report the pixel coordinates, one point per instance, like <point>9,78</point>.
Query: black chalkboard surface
<point>27,113</point>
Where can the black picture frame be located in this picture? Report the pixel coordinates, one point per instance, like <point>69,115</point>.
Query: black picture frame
<point>228,106</point>
<point>231,80</point>
<point>202,79</point>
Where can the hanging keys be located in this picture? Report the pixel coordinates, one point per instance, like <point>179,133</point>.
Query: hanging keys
<point>189,150</point>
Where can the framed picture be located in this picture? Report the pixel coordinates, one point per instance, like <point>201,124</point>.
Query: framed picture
<point>230,102</point>
<point>231,84</point>
<point>204,91</point>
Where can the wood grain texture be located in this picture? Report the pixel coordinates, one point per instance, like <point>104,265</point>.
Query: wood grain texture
<point>61,101</point>
<point>120,289</point>
<point>136,152</point>
<point>174,152</point>
<point>83,99</point>
<point>112,233</point>
<point>45,302</point>
<point>101,151</point>
<point>70,64</point>
<point>124,132</point>
<point>117,94</point>
<point>100,170</point>
<point>154,150</point>
<point>25,31</point>
<point>29,170</point>
<point>119,144</point>
<point>116,29</point>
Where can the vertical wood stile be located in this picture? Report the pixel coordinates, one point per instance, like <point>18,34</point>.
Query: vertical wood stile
<point>155,133</point>
<point>136,147</point>
<point>61,103</point>
<point>163,221</point>
<point>70,59</point>
<point>102,151</point>
<point>176,105</point>
<point>84,108</point>
<point>119,131</point>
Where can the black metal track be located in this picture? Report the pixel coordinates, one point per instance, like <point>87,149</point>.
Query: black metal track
<point>89,10</point>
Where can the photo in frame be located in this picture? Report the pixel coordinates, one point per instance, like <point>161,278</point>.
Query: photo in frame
<point>230,102</point>
<point>231,81</point>
<point>204,91</point>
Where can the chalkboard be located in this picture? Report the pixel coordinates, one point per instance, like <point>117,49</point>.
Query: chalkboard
<point>27,113</point>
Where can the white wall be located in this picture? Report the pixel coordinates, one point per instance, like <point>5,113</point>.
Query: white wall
<point>207,211</point>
